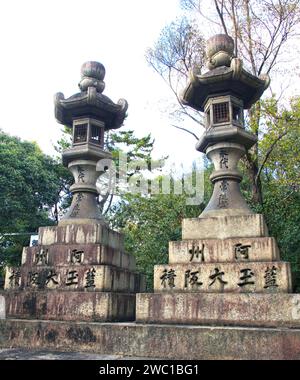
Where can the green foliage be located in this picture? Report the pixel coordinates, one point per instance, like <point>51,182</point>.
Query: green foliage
<point>280,142</point>
<point>30,184</point>
<point>282,212</point>
<point>149,223</point>
<point>136,148</point>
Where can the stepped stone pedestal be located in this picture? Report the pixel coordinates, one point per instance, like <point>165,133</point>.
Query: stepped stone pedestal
<point>77,272</point>
<point>231,280</point>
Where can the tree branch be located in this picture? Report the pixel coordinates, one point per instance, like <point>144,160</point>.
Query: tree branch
<point>186,130</point>
<point>270,150</point>
<point>109,204</point>
<point>221,16</point>
<point>235,25</point>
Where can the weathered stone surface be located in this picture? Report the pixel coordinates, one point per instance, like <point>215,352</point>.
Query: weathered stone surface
<point>223,250</point>
<point>269,310</point>
<point>86,254</point>
<point>223,227</point>
<point>70,306</point>
<point>89,233</point>
<point>2,307</point>
<point>250,277</point>
<point>154,341</point>
<point>102,278</point>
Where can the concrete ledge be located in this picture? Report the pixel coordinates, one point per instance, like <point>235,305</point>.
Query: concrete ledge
<point>70,306</point>
<point>224,227</point>
<point>2,307</point>
<point>264,310</point>
<point>153,341</point>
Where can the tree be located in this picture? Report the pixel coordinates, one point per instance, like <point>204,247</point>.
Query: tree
<point>179,49</point>
<point>149,223</point>
<point>29,185</point>
<point>280,143</point>
<point>263,30</point>
<point>282,211</point>
<point>138,153</point>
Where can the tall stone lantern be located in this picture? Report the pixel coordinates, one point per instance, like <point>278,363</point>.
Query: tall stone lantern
<point>227,269</point>
<point>222,94</point>
<point>89,114</point>
<point>79,271</point>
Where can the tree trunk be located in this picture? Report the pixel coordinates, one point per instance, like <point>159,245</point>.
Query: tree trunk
<point>256,189</point>
<point>253,165</point>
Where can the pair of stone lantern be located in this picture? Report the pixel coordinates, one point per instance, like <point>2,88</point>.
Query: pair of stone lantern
<point>224,294</point>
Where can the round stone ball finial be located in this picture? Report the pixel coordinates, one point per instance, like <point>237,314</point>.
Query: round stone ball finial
<point>92,75</point>
<point>219,51</point>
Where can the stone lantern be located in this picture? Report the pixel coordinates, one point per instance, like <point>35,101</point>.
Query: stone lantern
<point>226,270</point>
<point>79,270</point>
<point>223,93</point>
<point>89,114</point>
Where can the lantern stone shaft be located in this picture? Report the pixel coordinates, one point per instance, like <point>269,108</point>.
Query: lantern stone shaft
<point>89,114</point>
<point>222,94</point>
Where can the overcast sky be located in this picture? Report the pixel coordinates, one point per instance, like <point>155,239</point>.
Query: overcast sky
<point>43,45</point>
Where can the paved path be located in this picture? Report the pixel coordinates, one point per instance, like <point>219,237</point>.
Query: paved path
<point>21,354</point>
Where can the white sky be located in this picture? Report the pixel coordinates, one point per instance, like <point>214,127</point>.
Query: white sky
<point>44,44</point>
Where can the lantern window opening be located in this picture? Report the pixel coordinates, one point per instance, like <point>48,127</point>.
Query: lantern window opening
<point>96,134</point>
<point>80,133</point>
<point>237,115</point>
<point>221,112</point>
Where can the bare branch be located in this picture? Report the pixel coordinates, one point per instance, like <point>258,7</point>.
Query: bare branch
<point>235,24</point>
<point>109,204</point>
<point>269,152</point>
<point>221,16</point>
<point>186,130</point>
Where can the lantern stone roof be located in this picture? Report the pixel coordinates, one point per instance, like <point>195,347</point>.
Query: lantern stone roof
<point>90,102</point>
<point>226,76</point>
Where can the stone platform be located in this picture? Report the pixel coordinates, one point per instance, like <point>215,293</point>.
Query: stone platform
<point>153,341</point>
<point>264,310</point>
